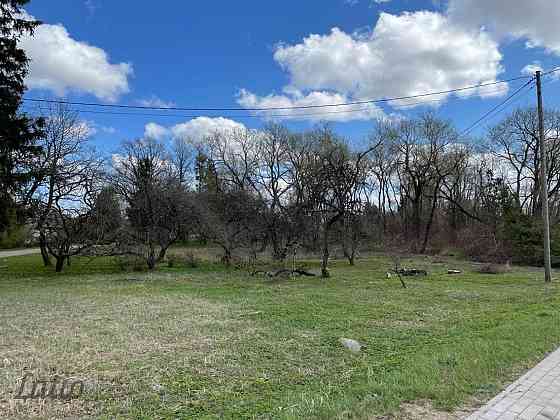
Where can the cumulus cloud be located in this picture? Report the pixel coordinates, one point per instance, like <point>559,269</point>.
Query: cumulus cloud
<point>295,98</point>
<point>156,102</point>
<point>59,63</point>
<point>198,129</point>
<point>155,131</point>
<point>534,21</point>
<point>404,55</point>
<point>194,131</point>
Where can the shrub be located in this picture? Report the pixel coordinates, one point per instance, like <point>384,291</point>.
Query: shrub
<point>523,237</point>
<point>17,236</point>
<point>494,269</point>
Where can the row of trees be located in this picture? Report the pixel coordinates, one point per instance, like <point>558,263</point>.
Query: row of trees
<point>417,185</point>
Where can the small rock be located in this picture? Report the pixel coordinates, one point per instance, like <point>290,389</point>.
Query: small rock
<point>454,272</point>
<point>158,388</point>
<point>351,345</point>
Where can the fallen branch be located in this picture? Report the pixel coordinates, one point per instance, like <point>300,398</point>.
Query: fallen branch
<point>283,271</point>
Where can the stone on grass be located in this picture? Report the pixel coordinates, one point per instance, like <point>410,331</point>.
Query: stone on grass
<point>351,345</point>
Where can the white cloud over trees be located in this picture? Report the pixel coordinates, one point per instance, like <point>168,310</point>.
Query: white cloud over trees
<point>60,64</point>
<point>404,55</point>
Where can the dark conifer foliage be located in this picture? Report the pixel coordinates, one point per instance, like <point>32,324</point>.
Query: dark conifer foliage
<point>18,132</point>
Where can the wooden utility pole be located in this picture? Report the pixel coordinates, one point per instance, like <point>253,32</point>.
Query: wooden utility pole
<point>544,182</point>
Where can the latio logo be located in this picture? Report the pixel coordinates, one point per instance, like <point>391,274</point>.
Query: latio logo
<point>56,388</point>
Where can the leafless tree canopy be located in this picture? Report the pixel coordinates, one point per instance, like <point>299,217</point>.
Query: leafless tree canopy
<point>417,186</point>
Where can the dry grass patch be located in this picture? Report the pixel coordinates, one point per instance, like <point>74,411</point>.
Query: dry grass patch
<point>426,411</point>
<point>118,346</point>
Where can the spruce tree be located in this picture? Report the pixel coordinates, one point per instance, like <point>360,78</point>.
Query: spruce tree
<point>18,132</point>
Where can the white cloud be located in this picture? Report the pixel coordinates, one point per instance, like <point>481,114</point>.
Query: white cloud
<point>534,21</point>
<point>404,55</point>
<point>295,98</point>
<point>59,63</point>
<point>107,129</point>
<point>156,102</point>
<point>198,129</point>
<point>85,129</point>
<point>531,69</point>
<point>194,131</point>
<point>155,131</point>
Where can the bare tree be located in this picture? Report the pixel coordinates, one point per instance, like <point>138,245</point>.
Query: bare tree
<point>515,143</point>
<point>182,160</point>
<point>70,227</point>
<point>60,169</point>
<point>420,146</point>
<point>337,177</point>
<point>157,205</point>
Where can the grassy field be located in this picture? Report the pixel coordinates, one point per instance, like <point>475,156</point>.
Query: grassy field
<point>209,343</point>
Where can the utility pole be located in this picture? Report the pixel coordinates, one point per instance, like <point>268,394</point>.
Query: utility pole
<point>544,182</point>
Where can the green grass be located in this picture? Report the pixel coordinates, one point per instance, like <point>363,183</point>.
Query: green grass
<point>210,343</point>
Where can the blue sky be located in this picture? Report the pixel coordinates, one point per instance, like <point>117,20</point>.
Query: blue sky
<point>262,54</point>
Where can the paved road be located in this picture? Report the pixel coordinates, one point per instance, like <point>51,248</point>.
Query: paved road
<point>19,252</point>
<point>535,396</point>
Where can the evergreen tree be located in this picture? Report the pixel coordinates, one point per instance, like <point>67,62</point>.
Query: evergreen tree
<point>18,132</point>
<point>205,172</point>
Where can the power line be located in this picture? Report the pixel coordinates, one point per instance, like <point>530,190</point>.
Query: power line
<point>372,101</point>
<point>495,108</point>
<point>261,113</point>
<point>551,71</point>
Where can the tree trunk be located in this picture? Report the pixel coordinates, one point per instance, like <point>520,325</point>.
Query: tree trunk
<point>44,251</point>
<point>151,260</point>
<point>325,260</point>
<point>60,264</point>
<point>227,257</point>
<point>351,258</point>
<point>161,254</point>
<point>349,251</point>
<point>430,221</point>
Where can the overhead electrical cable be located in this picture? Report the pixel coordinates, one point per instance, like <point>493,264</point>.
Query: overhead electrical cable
<point>221,109</point>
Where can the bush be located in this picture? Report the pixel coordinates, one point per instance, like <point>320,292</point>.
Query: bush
<point>17,236</point>
<point>494,269</point>
<point>523,238</point>
<point>480,244</point>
